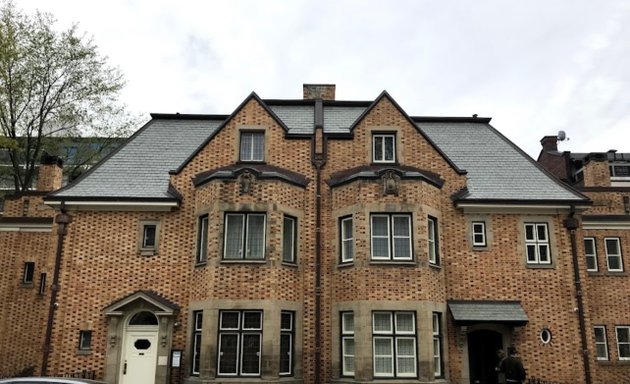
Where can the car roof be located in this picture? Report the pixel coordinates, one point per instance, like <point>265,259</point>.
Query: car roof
<point>51,380</point>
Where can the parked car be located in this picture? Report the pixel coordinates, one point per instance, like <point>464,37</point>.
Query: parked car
<point>48,380</point>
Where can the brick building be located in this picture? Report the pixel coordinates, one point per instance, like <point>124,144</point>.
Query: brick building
<point>305,241</point>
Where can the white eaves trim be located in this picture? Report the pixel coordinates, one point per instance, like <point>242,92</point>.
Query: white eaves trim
<point>519,208</point>
<point>586,224</point>
<point>26,227</point>
<point>115,205</point>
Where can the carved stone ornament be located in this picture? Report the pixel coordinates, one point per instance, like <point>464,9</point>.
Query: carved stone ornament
<point>246,179</point>
<point>390,182</point>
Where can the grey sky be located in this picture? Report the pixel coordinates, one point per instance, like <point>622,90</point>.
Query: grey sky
<point>535,67</point>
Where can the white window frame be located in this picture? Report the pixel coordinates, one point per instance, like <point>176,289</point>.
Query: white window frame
<point>384,138</point>
<point>613,173</point>
<point>536,242</point>
<point>603,342</point>
<point>625,329</point>
<point>240,332</point>
<point>390,236</point>
<point>347,239</point>
<point>196,347</point>
<point>393,336</point>
<point>478,228</point>
<point>202,239</point>
<point>289,255</point>
<point>433,240</point>
<point>590,255</point>
<point>437,344</point>
<point>347,336</point>
<point>288,333</point>
<point>248,154</point>
<point>610,255</point>
<point>244,243</point>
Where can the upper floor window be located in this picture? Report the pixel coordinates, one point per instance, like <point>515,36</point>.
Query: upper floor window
<point>384,148</point>
<point>432,237</point>
<point>537,243</point>
<point>391,237</point>
<point>613,254</point>
<point>29,272</point>
<point>244,236</point>
<point>623,342</point>
<point>394,344</point>
<point>601,343</point>
<point>347,239</point>
<point>590,251</point>
<point>621,170</point>
<point>479,234</point>
<point>252,146</point>
<point>149,235</point>
<point>240,341</point>
<point>289,237</point>
<point>202,239</point>
<point>196,347</point>
<point>347,343</point>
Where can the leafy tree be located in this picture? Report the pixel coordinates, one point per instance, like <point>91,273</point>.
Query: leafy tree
<point>53,84</point>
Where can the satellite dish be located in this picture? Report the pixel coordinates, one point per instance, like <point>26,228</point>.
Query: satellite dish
<point>562,135</point>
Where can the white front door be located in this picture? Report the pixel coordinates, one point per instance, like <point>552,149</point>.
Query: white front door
<point>140,357</point>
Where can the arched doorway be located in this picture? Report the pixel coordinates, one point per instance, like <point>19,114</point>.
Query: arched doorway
<point>140,345</point>
<point>482,356</point>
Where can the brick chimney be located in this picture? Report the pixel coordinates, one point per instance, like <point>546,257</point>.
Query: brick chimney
<point>319,91</point>
<point>549,143</point>
<point>50,173</point>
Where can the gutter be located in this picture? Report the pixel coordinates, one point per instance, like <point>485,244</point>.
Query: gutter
<point>572,224</point>
<point>62,220</point>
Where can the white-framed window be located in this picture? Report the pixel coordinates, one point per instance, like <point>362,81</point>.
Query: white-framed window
<point>391,237</point>
<point>252,146</point>
<point>287,335</point>
<point>620,170</point>
<point>148,236</point>
<point>289,239</point>
<point>384,148</point>
<point>623,342</point>
<point>240,340</point>
<point>432,238</point>
<point>613,254</point>
<point>28,273</point>
<point>601,342</point>
<point>437,344</point>
<point>590,252</point>
<point>394,344</point>
<point>244,236</point>
<point>347,343</point>
<point>537,243</point>
<point>202,239</point>
<point>479,234</point>
<point>347,239</point>
<point>85,340</point>
<point>196,347</point>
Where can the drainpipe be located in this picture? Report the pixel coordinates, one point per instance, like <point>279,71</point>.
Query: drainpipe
<point>62,220</point>
<point>572,224</point>
<point>318,159</point>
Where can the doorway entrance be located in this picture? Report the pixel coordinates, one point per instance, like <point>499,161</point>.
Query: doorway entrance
<point>482,356</point>
<point>139,358</point>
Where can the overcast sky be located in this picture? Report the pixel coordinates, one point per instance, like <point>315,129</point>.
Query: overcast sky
<point>535,67</point>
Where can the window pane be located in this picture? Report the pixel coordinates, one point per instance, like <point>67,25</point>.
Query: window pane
<point>542,232</point>
<point>380,248</point>
<point>614,263</point>
<point>382,322</point>
<point>478,239</point>
<point>402,248</point>
<point>230,320</point>
<point>600,336</point>
<point>612,246</point>
<point>348,356</point>
<point>255,236</point>
<point>389,148</point>
<point>529,232</point>
<point>378,148</point>
<point>149,236</point>
<point>234,236</point>
<point>288,236</point>
<point>623,335</point>
<point>251,354</point>
<point>401,226</point>
<point>258,149</point>
<point>246,145</point>
<point>405,349</point>
<point>286,321</point>
<point>531,253</point>
<point>196,353</point>
<point>202,236</point>
<point>285,353</point>
<point>383,357</point>
<point>624,351</point>
<point>348,322</point>
<point>404,323</point>
<point>601,351</point>
<point>228,353</point>
<point>380,226</point>
<point>252,320</point>
<point>589,246</point>
<point>544,253</point>
<point>348,251</point>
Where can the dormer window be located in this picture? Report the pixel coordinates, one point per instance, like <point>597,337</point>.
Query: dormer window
<point>384,148</point>
<point>252,146</point>
<point>620,170</point>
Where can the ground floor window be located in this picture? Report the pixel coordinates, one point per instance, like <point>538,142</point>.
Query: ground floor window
<point>394,344</point>
<point>437,344</point>
<point>240,340</point>
<point>196,350</point>
<point>347,343</point>
<point>287,332</point>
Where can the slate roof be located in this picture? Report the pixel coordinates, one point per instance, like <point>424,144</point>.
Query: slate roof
<point>139,169</point>
<point>470,312</point>
<point>496,168</point>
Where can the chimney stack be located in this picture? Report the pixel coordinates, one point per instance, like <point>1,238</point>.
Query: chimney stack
<point>50,173</point>
<point>549,143</point>
<point>319,91</point>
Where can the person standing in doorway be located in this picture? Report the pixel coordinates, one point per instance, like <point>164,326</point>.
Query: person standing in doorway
<point>513,368</point>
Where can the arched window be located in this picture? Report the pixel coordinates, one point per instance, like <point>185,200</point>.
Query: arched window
<point>143,318</point>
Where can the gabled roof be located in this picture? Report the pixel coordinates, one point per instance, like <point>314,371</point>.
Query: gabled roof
<point>159,302</point>
<point>497,169</point>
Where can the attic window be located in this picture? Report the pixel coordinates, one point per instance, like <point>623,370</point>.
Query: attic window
<point>252,146</point>
<point>620,170</point>
<point>148,237</point>
<point>384,148</point>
